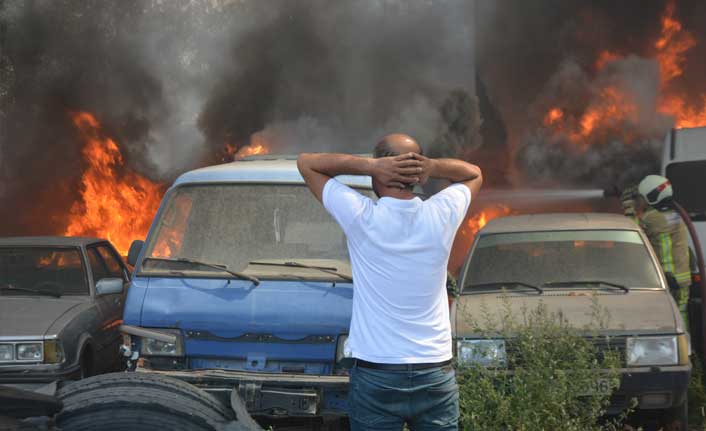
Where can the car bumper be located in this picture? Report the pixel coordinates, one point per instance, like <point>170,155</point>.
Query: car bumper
<point>271,395</point>
<point>37,376</point>
<point>653,388</point>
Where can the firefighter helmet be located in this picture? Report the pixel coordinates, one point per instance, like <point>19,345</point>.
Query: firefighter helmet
<point>655,189</point>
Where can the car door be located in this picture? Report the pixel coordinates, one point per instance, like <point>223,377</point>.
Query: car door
<point>105,265</point>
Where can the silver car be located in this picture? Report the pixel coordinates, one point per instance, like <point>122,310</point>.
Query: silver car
<point>61,301</point>
<point>564,261</point>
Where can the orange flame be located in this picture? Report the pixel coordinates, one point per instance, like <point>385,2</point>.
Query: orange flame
<point>671,49</point>
<point>672,45</point>
<point>612,106</point>
<point>115,203</point>
<point>604,58</point>
<point>250,150</point>
<point>468,230</point>
<point>554,115</point>
<point>171,233</point>
<point>258,145</point>
<point>479,220</point>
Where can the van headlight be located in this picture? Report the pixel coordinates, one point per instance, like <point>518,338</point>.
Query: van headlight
<point>486,353</point>
<point>342,350</point>
<point>648,351</point>
<point>154,347</point>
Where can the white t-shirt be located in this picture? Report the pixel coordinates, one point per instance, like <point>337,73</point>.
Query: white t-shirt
<point>399,251</point>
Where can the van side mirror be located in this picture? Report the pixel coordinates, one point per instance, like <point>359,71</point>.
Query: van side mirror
<point>107,286</point>
<point>134,252</point>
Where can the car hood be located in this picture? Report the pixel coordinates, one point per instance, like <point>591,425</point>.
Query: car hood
<point>637,312</point>
<point>32,316</point>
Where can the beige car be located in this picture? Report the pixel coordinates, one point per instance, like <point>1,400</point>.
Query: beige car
<point>565,261</point>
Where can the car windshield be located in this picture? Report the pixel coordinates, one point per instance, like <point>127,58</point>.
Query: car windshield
<point>241,225</point>
<point>32,271</point>
<point>615,257</point>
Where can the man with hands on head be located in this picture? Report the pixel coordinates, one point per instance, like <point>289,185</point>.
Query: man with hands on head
<point>400,333</point>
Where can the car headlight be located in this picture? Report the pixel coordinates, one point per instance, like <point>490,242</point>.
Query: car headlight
<point>647,351</point>
<point>29,352</point>
<point>153,347</point>
<point>487,353</point>
<point>7,352</point>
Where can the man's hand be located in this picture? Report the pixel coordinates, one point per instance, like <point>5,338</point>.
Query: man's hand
<point>427,166</point>
<point>397,171</point>
<point>456,171</point>
<point>317,169</point>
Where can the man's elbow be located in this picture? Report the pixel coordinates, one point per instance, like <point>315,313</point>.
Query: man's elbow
<point>477,173</point>
<point>304,161</point>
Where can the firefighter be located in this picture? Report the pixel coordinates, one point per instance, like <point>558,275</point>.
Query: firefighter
<point>668,235</point>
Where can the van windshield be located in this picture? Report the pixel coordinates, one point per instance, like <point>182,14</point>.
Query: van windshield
<point>237,224</point>
<point>559,258</point>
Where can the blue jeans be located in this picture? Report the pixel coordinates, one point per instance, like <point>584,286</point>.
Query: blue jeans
<point>386,400</point>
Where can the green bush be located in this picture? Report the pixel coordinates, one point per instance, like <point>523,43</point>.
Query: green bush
<point>548,380</point>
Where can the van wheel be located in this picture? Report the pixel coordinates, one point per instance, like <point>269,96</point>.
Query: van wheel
<point>138,402</point>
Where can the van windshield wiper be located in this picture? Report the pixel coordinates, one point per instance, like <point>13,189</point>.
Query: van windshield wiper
<point>587,283</point>
<point>508,284</point>
<point>327,269</point>
<point>6,286</point>
<point>223,268</point>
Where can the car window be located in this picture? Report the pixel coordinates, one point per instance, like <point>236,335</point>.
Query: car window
<point>537,258</point>
<point>31,271</point>
<point>111,261</point>
<point>98,267</point>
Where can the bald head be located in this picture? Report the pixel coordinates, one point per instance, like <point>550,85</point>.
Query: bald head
<point>396,144</point>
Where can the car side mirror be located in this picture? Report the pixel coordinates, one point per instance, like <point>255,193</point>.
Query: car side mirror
<point>134,252</point>
<point>107,286</point>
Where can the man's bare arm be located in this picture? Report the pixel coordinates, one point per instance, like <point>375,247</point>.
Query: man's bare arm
<point>318,168</point>
<point>454,170</point>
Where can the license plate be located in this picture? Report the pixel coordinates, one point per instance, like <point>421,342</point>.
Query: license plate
<point>598,387</point>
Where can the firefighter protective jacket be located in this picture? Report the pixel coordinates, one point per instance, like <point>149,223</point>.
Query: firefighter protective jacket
<point>667,233</point>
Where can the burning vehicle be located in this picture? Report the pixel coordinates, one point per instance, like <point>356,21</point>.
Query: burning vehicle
<point>566,261</point>
<point>243,288</point>
<point>60,308</point>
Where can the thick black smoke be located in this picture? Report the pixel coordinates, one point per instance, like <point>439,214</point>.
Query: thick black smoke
<point>322,75</point>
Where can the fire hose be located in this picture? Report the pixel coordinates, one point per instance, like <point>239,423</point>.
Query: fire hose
<point>700,263</point>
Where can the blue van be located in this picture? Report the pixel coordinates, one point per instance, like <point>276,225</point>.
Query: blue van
<point>243,287</point>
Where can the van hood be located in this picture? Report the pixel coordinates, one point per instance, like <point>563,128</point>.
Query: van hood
<point>235,318</point>
<point>636,312</point>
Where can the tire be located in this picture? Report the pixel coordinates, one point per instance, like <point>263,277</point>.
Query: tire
<point>138,402</point>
